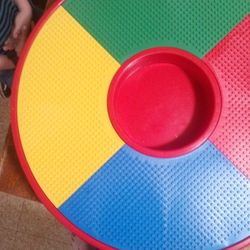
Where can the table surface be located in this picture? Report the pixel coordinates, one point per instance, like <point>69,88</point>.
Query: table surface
<point>13,180</point>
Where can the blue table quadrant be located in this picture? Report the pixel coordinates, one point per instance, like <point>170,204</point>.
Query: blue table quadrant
<point>198,201</point>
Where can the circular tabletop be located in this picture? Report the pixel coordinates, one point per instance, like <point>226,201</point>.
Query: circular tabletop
<point>131,121</point>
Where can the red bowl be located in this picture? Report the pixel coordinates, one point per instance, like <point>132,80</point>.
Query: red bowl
<point>164,102</point>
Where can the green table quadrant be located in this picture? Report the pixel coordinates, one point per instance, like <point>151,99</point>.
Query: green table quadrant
<point>124,27</point>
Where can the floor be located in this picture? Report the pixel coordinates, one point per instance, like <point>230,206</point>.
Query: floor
<point>27,225</point>
<point>4,120</point>
<point>12,178</point>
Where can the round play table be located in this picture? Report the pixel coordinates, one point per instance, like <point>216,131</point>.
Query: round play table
<point>131,120</point>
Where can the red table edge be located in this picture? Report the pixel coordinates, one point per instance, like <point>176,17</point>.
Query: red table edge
<point>21,156</point>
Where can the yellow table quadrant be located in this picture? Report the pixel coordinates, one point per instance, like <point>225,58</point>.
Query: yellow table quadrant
<point>63,122</point>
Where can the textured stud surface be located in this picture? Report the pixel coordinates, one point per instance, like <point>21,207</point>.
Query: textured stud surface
<point>230,60</point>
<point>79,165</point>
<point>199,201</point>
<point>62,105</point>
<point>194,25</point>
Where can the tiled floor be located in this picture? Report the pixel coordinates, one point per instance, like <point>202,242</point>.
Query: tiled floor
<point>27,225</point>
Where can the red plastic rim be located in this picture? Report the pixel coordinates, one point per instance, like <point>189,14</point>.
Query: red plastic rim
<point>164,102</point>
<point>21,154</point>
